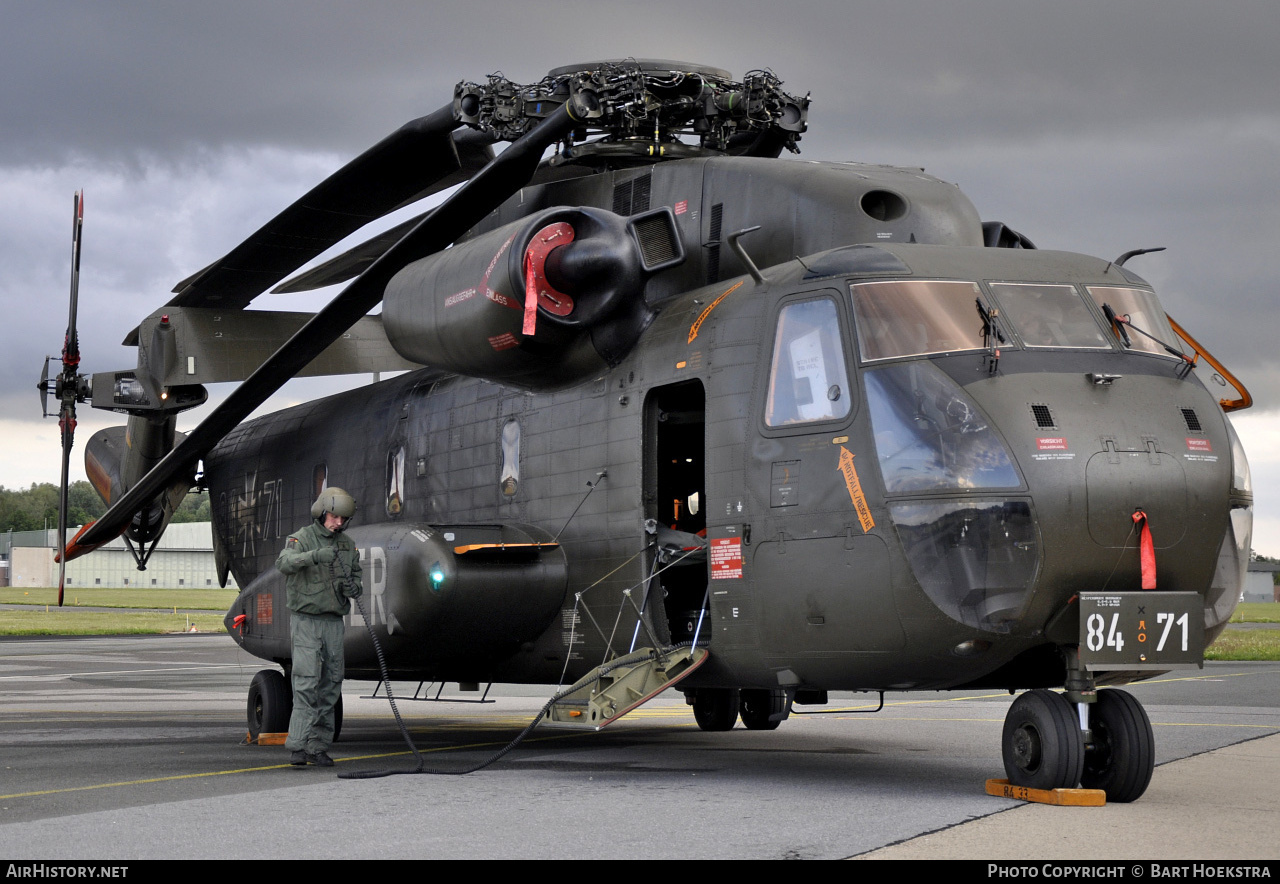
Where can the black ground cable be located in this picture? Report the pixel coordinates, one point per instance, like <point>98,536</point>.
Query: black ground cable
<point>422,768</point>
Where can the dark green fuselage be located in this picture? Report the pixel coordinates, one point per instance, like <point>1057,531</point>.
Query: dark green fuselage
<point>840,557</point>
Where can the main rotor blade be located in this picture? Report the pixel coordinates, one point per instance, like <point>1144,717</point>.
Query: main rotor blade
<point>417,159</point>
<point>353,262</point>
<point>500,179</point>
<point>349,264</point>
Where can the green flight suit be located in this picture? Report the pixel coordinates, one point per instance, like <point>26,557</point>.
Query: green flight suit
<point>318,597</point>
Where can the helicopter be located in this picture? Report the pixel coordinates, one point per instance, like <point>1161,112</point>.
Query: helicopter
<point>676,412</point>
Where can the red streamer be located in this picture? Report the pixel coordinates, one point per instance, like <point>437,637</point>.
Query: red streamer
<point>530,296</point>
<point>1146,550</point>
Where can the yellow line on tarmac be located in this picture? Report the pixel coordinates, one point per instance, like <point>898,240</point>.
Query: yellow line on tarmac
<point>1269,727</point>
<point>1265,727</point>
<point>1206,676</point>
<point>241,770</point>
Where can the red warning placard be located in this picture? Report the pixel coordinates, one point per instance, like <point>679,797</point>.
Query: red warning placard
<point>726,558</point>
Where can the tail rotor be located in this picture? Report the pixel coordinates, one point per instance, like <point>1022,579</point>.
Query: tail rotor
<point>68,387</point>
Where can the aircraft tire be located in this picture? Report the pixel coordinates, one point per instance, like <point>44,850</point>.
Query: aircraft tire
<point>270,704</point>
<point>337,719</point>
<point>1122,756</point>
<point>1042,744</point>
<point>715,709</point>
<point>758,706</point>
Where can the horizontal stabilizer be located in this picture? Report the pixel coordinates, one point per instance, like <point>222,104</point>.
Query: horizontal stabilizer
<point>214,345</point>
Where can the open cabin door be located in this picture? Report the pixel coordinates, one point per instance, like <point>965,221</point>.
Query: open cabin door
<point>675,501</point>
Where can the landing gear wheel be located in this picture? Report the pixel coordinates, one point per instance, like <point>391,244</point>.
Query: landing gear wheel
<point>1123,754</point>
<point>1042,744</point>
<point>270,704</point>
<point>715,709</point>
<point>759,706</point>
<point>337,719</point>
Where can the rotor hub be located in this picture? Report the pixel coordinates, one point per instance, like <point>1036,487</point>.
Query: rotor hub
<point>642,102</point>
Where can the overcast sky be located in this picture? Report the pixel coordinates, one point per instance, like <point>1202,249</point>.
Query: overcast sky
<point>1089,126</point>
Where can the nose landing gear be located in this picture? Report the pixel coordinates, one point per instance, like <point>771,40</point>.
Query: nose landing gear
<point>1042,743</point>
<point>1044,747</point>
<point>1121,756</point>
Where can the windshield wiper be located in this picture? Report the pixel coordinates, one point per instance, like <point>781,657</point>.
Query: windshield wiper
<point>1119,323</point>
<point>990,327</point>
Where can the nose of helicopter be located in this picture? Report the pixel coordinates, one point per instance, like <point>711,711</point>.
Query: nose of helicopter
<point>1016,492</point>
<point>1136,480</point>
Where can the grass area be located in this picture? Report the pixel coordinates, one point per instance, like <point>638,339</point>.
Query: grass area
<point>1246,644</point>
<point>136,614</point>
<point>131,597</point>
<point>1257,612</point>
<point>72,622</point>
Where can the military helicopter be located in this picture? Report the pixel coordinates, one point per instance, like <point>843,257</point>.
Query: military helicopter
<point>771,428</point>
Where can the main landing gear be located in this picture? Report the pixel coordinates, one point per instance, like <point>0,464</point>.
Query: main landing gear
<point>271,703</point>
<point>1045,748</point>
<point>718,709</point>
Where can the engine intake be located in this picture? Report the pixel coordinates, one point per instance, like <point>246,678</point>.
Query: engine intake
<point>539,303</point>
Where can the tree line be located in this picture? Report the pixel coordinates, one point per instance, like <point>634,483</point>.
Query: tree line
<point>36,507</point>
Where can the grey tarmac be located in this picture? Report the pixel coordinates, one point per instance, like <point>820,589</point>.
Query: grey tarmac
<point>133,748</point>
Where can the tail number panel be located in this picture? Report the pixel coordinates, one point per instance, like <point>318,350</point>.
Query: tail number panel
<point>1141,630</point>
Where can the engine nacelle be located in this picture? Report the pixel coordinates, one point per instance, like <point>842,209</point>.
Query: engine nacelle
<point>537,303</point>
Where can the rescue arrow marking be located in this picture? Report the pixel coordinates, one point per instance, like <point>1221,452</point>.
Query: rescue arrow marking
<point>697,323</point>
<point>855,490</point>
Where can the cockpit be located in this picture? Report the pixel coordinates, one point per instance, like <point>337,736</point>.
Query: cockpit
<point>961,502</point>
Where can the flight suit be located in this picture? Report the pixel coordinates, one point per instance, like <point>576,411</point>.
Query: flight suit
<point>318,596</point>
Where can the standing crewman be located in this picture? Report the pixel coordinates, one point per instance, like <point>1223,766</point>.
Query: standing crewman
<point>322,571</point>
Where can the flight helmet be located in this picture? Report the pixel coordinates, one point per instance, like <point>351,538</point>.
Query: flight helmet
<point>333,500</point>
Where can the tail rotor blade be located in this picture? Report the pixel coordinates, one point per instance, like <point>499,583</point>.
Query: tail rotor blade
<point>68,426</point>
<point>71,347</point>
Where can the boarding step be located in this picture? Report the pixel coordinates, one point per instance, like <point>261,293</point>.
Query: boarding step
<point>614,689</point>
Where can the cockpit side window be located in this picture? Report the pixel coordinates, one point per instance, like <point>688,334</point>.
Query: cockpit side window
<point>1143,313</point>
<point>1049,315</point>
<point>916,317</point>
<point>807,381</point>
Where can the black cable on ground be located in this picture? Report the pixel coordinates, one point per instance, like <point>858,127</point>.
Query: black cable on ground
<point>421,767</point>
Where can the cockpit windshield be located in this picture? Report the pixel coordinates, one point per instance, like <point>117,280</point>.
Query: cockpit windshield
<point>1143,315</point>
<point>916,317</point>
<point>1049,315</point>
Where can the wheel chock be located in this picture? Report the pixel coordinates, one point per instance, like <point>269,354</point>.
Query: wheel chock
<point>268,739</point>
<point>1057,797</point>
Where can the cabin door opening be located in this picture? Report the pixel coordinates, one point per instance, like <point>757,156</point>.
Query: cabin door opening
<point>675,499</point>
